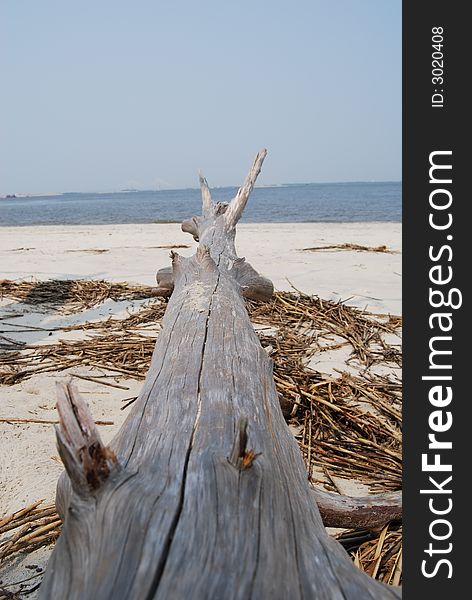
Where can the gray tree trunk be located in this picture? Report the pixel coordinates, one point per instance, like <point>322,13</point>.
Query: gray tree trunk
<point>203,493</point>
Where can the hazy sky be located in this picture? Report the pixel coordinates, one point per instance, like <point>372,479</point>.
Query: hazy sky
<point>108,94</point>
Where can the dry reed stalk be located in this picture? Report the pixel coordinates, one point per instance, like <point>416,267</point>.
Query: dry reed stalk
<point>43,421</point>
<point>28,529</point>
<point>378,554</point>
<point>356,247</point>
<point>71,295</point>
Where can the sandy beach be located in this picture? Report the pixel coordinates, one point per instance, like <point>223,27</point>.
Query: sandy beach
<point>29,465</point>
<point>131,253</point>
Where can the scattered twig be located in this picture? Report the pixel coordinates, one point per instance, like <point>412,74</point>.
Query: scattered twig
<point>14,420</point>
<point>356,247</point>
<point>31,527</point>
<point>96,380</point>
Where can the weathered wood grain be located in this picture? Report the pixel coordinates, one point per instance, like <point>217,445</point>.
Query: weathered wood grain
<point>208,497</point>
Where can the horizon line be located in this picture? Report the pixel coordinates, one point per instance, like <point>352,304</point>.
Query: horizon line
<point>11,195</point>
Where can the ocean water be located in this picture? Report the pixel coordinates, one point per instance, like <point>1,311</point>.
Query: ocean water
<point>311,202</point>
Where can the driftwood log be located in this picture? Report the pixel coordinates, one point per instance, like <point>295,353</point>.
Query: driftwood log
<point>203,493</point>
<point>366,512</point>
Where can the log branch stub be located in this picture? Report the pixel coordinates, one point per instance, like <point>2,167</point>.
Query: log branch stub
<point>87,460</point>
<point>238,204</point>
<point>191,226</point>
<point>165,282</point>
<point>207,202</point>
<point>241,457</point>
<point>369,512</point>
<point>253,286</point>
<point>176,260</point>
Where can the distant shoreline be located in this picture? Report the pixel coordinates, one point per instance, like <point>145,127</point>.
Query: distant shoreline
<point>12,195</point>
<point>310,203</point>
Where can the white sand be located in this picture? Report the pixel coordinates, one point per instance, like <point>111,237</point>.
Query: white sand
<point>274,249</point>
<point>29,464</point>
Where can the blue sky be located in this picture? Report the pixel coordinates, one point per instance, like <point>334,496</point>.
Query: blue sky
<point>109,94</point>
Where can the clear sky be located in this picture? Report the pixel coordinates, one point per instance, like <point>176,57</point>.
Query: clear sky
<point>102,95</point>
